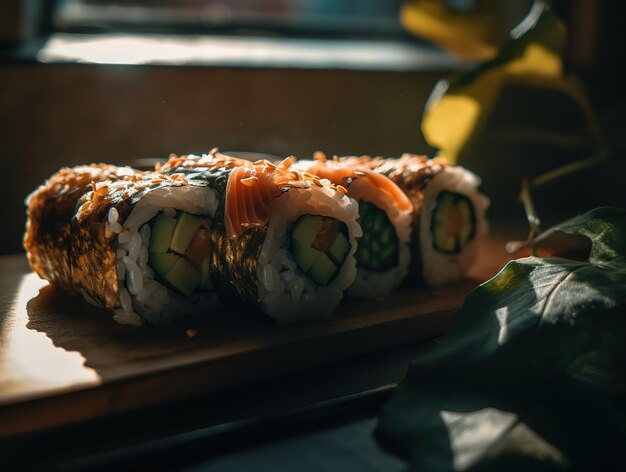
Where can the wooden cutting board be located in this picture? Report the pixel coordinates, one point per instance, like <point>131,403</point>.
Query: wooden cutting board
<point>62,360</point>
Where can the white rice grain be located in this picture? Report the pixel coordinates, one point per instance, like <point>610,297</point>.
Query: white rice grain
<point>297,288</point>
<point>135,277</point>
<point>125,300</point>
<point>142,260</point>
<point>134,246</point>
<point>113,216</point>
<point>124,237</point>
<point>144,232</point>
<point>121,270</point>
<point>266,278</point>
<point>287,260</point>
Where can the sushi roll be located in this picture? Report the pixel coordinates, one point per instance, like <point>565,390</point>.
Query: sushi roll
<point>131,242</point>
<point>448,217</point>
<point>283,241</point>
<point>385,212</point>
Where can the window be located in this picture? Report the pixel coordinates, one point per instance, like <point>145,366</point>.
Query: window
<point>365,18</point>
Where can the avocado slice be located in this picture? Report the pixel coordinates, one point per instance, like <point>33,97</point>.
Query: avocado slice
<point>323,270</point>
<point>161,235</point>
<point>319,246</point>
<point>304,255</point>
<point>162,262</point>
<point>184,231</point>
<point>306,228</point>
<point>339,249</point>
<point>183,277</point>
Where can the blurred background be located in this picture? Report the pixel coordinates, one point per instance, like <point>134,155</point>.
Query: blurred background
<point>124,81</point>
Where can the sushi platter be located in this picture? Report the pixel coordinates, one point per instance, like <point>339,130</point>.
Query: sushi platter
<point>211,272</point>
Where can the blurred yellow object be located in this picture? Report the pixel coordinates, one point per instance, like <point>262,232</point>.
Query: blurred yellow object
<point>459,108</point>
<point>474,35</point>
<point>449,123</point>
<point>518,115</point>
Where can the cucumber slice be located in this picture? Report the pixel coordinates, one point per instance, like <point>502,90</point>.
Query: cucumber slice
<point>339,249</point>
<point>323,270</point>
<point>319,246</point>
<point>387,236</point>
<point>378,247</point>
<point>161,235</point>
<point>185,229</point>
<point>304,255</point>
<point>162,262</point>
<point>306,228</point>
<point>183,277</point>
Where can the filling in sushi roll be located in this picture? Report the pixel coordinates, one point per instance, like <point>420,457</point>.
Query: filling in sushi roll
<point>180,251</point>
<point>453,222</point>
<point>378,247</point>
<point>451,225</point>
<point>319,245</point>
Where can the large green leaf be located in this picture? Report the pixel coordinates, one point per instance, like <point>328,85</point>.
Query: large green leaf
<point>532,372</point>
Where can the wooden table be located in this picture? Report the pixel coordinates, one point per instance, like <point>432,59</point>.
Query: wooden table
<point>63,361</point>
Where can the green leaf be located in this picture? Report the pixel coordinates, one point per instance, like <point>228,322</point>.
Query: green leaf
<point>604,227</point>
<point>533,371</point>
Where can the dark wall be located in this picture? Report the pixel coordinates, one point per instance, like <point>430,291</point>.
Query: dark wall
<point>56,115</point>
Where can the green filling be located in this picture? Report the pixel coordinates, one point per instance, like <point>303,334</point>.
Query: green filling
<point>162,262</point>
<point>183,277</point>
<point>306,229</point>
<point>378,247</point>
<point>323,270</point>
<point>162,230</point>
<point>186,227</point>
<point>319,245</point>
<point>178,253</point>
<point>453,222</point>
